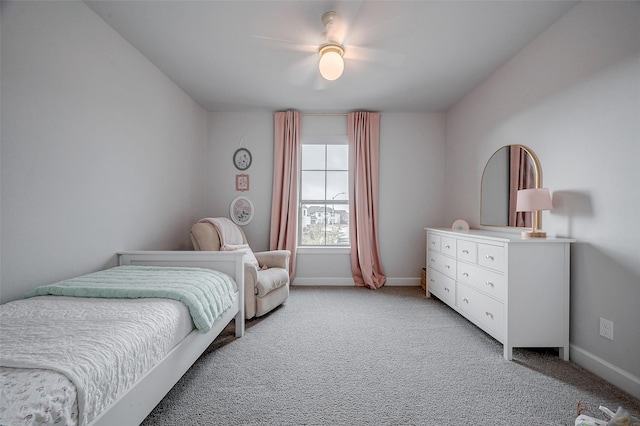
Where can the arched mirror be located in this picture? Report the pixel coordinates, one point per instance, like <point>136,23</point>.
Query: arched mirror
<point>509,169</point>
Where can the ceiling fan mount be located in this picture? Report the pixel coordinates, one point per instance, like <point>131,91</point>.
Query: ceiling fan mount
<point>330,20</point>
<point>332,24</point>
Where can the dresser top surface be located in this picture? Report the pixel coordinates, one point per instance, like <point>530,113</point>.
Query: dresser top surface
<point>499,236</point>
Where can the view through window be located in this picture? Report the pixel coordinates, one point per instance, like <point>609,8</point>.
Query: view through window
<point>324,195</point>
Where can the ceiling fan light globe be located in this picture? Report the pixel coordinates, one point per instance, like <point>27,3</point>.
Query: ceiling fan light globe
<point>331,64</point>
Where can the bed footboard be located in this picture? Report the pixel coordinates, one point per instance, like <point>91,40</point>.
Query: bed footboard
<point>134,405</point>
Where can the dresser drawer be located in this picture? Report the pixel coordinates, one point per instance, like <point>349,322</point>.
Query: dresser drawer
<point>486,311</point>
<point>491,256</point>
<point>442,263</point>
<point>467,250</point>
<point>448,246</point>
<point>441,286</point>
<point>485,280</point>
<point>433,242</point>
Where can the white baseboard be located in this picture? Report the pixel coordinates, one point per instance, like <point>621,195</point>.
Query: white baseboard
<point>598,366</point>
<point>403,282</point>
<point>342,281</point>
<point>329,282</point>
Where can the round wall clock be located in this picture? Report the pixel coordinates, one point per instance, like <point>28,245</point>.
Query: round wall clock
<point>242,159</point>
<point>241,210</point>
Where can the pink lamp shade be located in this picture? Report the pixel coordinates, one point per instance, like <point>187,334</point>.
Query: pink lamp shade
<point>533,200</point>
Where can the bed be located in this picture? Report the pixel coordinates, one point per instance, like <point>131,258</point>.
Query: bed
<point>162,344</point>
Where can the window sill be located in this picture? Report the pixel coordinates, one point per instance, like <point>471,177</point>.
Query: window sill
<point>324,250</point>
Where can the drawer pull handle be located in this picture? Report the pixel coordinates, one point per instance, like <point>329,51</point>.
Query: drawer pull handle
<point>433,243</point>
<point>465,274</point>
<point>446,289</point>
<point>465,251</point>
<point>432,280</point>
<point>489,283</point>
<point>447,266</point>
<point>432,259</point>
<point>489,257</point>
<point>447,246</point>
<point>489,314</point>
<point>465,300</point>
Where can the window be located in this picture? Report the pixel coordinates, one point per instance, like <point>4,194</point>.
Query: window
<point>324,192</point>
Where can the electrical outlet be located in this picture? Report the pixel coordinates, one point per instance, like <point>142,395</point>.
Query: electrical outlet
<point>606,328</point>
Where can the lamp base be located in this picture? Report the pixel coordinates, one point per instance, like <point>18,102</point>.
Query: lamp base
<point>534,234</point>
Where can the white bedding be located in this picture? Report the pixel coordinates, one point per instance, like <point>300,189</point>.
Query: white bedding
<point>134,334</point>
<point>32,396</point>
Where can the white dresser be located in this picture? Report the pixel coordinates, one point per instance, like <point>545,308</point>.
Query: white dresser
<point>515,289</point>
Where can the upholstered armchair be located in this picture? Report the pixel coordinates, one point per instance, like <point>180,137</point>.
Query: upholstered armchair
<point>266,285</point>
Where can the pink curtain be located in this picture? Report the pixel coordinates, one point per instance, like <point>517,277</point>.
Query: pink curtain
<point>521,177</point>
<point>284,204</point>
<point>364,157</point>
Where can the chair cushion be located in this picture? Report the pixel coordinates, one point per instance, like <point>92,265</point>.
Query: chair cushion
<point>250,257</point>
<point>270,279</point>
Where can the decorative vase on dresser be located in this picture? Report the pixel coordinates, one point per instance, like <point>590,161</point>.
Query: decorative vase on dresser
<point>515,289</point>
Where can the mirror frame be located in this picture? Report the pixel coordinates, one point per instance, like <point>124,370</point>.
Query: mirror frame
<point>538,184</point>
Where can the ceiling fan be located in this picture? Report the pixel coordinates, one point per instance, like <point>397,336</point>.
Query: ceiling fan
<point>330,53</point>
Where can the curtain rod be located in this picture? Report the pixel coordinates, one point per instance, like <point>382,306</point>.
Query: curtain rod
<point>331,114</point>
<point>328,114</point>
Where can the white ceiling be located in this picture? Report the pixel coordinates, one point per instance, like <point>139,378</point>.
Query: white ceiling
<point>400,56</point>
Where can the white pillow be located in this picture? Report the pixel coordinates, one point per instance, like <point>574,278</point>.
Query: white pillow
<point>251,258</point>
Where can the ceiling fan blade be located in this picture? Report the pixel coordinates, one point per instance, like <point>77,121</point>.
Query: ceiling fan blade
<point>303,72</point>
<point>373,27</point>
<point>291,45</point>
<point>383,57</point>
<point>349,11</point>
<point>319,83</point>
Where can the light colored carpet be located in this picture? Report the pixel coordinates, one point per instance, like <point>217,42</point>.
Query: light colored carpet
<point>353,356</point>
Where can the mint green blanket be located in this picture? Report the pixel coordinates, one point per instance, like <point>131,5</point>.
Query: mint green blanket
<point>205,292</point>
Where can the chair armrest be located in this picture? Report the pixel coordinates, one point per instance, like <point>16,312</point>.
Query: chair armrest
<point>250,289</point>
<point>274,258</point>
<point>250,278</point>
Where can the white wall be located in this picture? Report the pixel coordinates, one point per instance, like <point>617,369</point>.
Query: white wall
<point>412,148</point>
<point>100,150</point>
<point>573,96</point>
<point>411,190</point>
<point>255,130</point>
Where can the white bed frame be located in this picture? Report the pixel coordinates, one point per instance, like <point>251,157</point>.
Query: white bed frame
<point>134,405</point>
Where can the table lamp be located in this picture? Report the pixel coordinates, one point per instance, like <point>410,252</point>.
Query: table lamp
<point>533,200</point>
